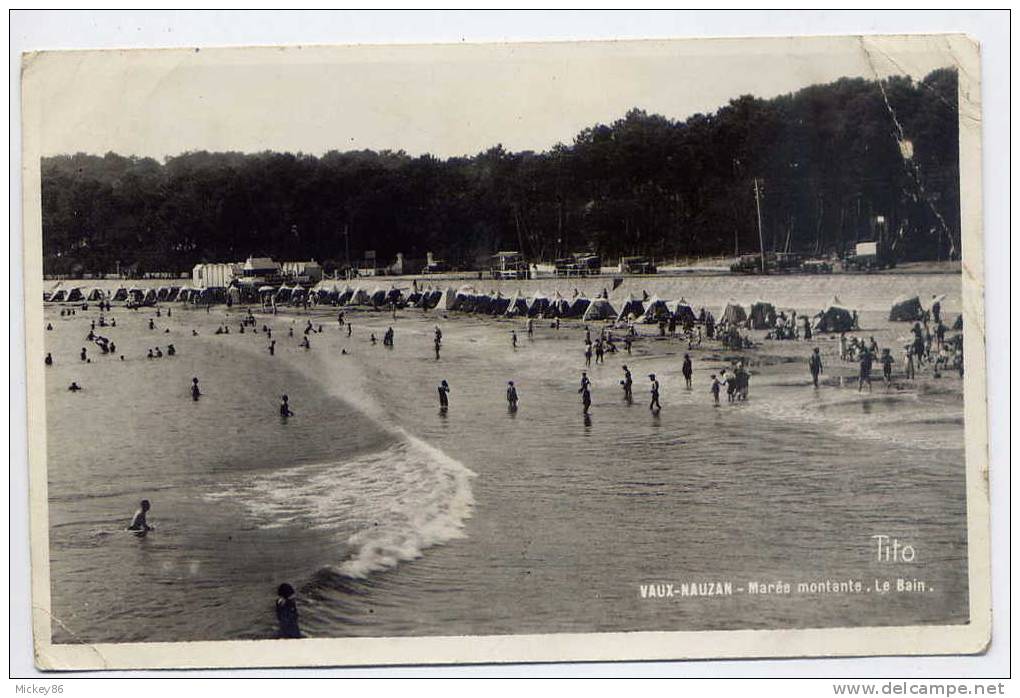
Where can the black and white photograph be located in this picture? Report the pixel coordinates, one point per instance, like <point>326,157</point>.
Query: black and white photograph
<point>506,352</point>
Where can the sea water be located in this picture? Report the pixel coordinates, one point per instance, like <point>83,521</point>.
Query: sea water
<point>392,517</point>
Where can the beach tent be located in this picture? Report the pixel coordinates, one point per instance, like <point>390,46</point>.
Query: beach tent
<point>172,295</point>
<point>558,306</point>
<point>599,309</point>
<point>462,297</point>
<point>499,304</point>
<point>283,294</point>
<point>414,297</point>
<point>162,292</point>
<point>632,306</point>
<point>906,309</point>
<point>47,295</point>
<point>234,295</point>
<point>517,305</point>
<point>396,297</point>
<point>763,315</point>
<point>835,318</point>
<point>120,294</point>
<point>577,307</point>
<point>59,296</point>
<point>734,314</point>
<point>538,305</point>
<point>343,295</point>
<point>359,296</point>
<point>75,295</point>
<point>298,295</point>
<point>447,300</point>
<point>655,310</point>
<point>149,296</point>
<point>96,294</point>
<point>377,297</point>
<point>682,311</point>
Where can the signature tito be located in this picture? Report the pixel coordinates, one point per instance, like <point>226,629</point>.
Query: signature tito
<point>892,550</point>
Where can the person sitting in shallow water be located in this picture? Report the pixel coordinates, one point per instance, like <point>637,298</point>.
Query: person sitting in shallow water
<point>49,359</point>
<point>74,387</point>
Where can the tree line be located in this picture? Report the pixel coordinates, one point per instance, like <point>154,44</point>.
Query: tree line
<point>829,161</point>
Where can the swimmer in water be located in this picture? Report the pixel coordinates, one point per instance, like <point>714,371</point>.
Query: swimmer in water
<point>49,359</point>
<point>152,324</point>
<point>285,410</point>
<point>195,392</point>
<point>74,387</point>
<point>138,521</point>
<point>444,395</point>
<point>272,348</point>
<point>84,354</point>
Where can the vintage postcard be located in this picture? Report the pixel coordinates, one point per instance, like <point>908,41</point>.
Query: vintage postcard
<point>506,352</point>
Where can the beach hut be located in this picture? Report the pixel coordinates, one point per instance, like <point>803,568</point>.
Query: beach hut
<point>577,307</point>
<point>907,309</point>
<point>517,306</point>
<point>656,309</point>
<point>599,309</point>
<point>734,314</point>
<point>835,318</point>
<point>763,315</point>
<point>631,307</point>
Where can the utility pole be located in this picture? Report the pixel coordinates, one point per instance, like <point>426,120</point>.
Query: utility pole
<point>347,248</point>
<point>761,239</point>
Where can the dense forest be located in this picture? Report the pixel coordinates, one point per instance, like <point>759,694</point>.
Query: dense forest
<point>828,160</point>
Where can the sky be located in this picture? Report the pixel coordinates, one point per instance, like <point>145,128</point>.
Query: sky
<point>445,100</point>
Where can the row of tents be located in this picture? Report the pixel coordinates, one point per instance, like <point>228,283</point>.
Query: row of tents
<point>138,296</point>
<point>759,315</point>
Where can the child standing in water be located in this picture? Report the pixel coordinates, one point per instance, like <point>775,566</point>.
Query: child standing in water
<point>444,395</point>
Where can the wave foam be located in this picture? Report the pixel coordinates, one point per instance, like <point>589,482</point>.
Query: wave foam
<point>393,503</point>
